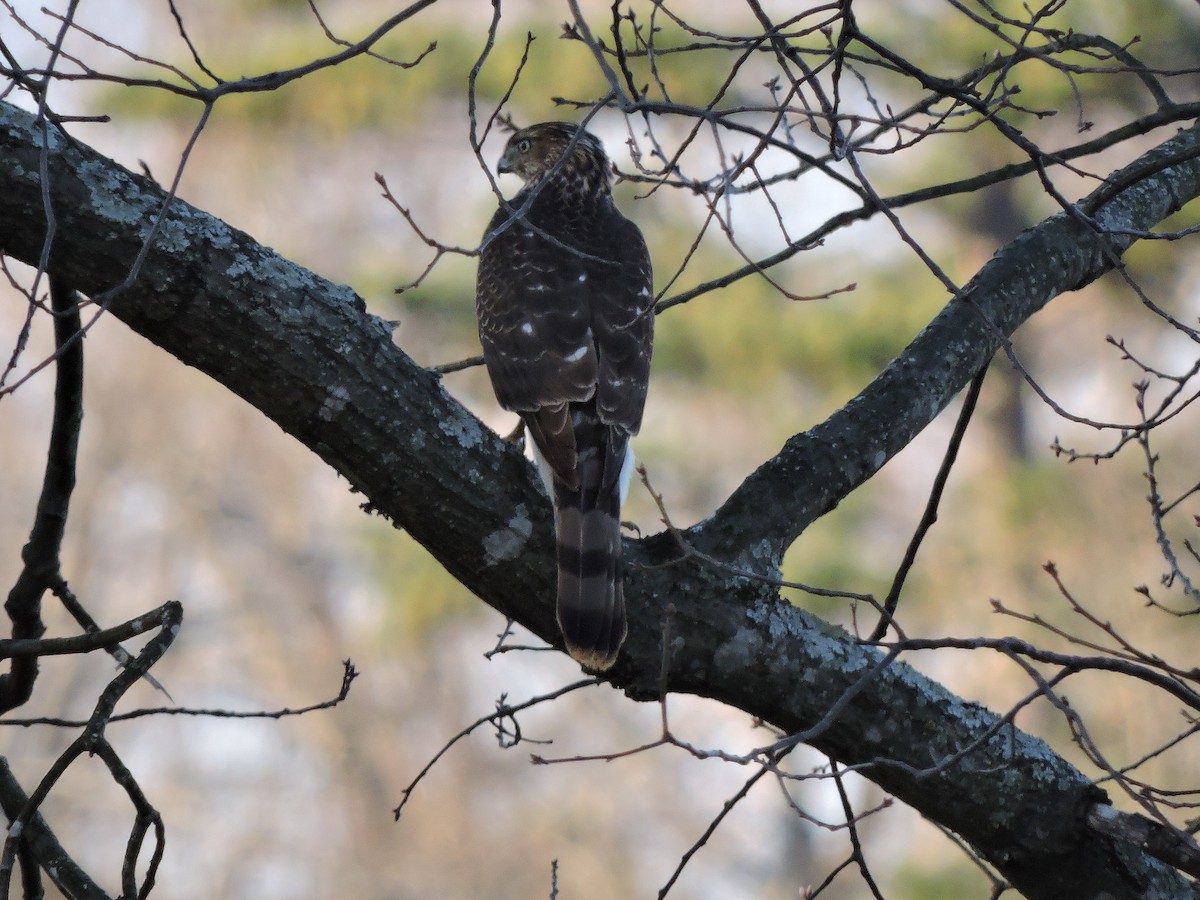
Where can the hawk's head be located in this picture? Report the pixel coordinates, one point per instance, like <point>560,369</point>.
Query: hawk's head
<point>571,156</point>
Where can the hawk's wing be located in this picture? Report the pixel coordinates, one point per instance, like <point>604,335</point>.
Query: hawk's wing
<point>534,322</point>
<point>621,297</point>
<point>565,323</point>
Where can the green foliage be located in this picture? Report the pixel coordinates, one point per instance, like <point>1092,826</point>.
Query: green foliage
<point>423,594</point>
<point>919,883</point>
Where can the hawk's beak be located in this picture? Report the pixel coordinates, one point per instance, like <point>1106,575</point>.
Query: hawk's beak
<point>504,167</point>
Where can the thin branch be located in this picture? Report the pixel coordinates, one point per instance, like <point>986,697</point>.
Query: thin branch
<point>39,841</point>
<point>504,711</point>
<point>349,673</point>
<point>930,515</point>
<point>92,742</point>
<point>858,854</point>
<point>712,826</point>
<point>1174,847</point>
<point>41,555</point>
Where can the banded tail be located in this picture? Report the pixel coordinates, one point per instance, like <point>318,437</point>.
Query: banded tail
<point>587,526</point>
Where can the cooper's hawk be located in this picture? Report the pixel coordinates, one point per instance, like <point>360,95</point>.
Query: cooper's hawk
<point>566,317</point>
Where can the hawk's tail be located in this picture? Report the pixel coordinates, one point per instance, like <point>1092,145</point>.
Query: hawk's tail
<point>591,606</point>
<point>587,522</point>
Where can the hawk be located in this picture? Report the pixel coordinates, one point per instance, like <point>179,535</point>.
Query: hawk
<point>566,318</point>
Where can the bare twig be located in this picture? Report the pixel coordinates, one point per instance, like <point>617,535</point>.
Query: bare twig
<point>929,517</point>
<point>504,712</point>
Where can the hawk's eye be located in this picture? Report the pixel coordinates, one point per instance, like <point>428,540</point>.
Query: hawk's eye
<point>523,145</point>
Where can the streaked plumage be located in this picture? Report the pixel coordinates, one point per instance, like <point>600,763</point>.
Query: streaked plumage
<point>566,318</point>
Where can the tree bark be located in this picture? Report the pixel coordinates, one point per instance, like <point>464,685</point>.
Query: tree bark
<point>307,354</point>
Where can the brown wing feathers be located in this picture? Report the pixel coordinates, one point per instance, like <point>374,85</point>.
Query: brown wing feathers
<point>564,302</point>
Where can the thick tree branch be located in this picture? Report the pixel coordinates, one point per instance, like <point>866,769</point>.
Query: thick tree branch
<point>307,354</point>
<point>814,471</point>
<point>293,345</point>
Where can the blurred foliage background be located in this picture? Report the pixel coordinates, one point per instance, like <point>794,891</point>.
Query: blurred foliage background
<point>185,493</point>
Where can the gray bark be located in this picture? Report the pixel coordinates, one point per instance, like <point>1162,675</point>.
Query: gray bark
<point>306,353</point>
